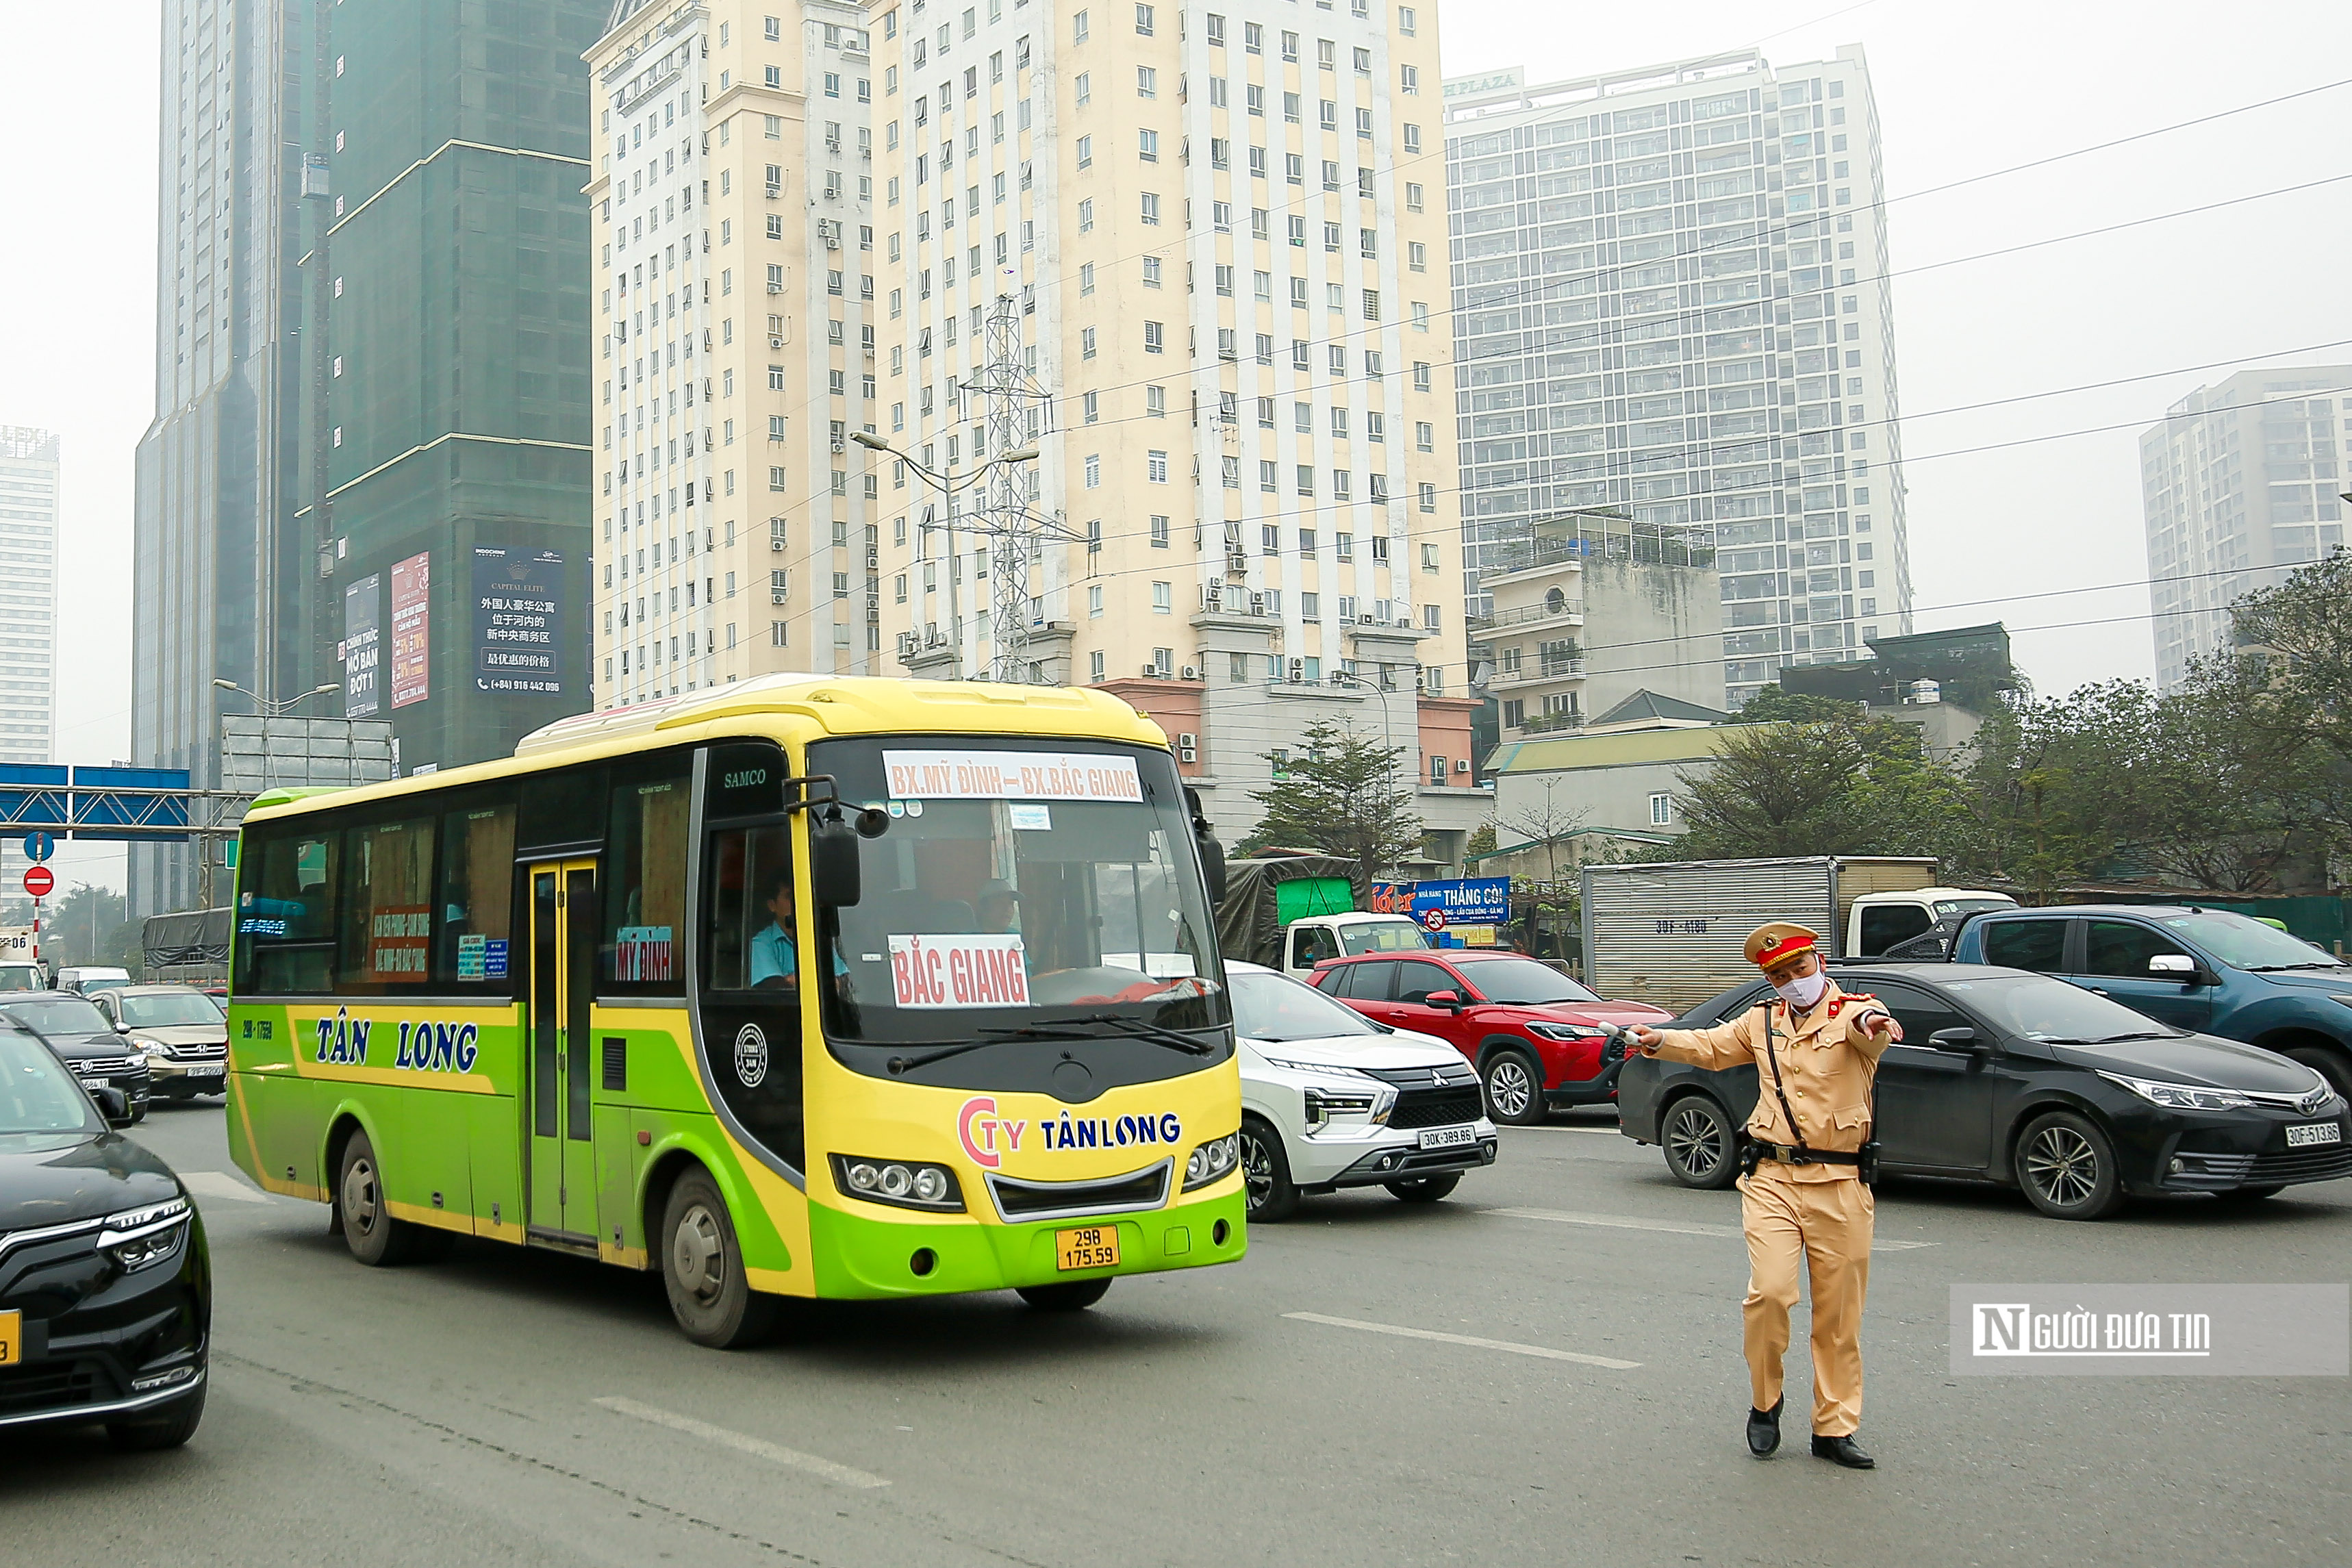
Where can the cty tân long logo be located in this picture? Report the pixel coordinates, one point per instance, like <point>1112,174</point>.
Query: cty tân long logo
<point>988,1137</point>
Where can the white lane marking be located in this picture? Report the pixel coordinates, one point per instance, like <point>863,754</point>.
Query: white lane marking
<point>1671,1226</point>
<point>221,1185</point>
<point>743,1442</point>
<point>1404,1333</point>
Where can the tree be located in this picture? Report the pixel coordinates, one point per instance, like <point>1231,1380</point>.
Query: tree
<point>1772,705</point>
<point>1341,797</point>
<point>1841,785</point>
<point>80,926</point>
<point>1481,840</point>
<point>1548,822</point>
<point>2306,621</point>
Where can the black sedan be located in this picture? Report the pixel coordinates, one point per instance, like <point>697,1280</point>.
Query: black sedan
<point>2019,1079</point>
<point>87,1039</point>
<point>105,1280</point>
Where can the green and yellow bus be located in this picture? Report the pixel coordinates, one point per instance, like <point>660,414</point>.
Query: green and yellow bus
<point>802,986</point>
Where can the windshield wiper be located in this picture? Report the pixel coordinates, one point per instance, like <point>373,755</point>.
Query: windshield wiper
<point>1131,1028</point>
<point>1127,1028</point>
<point>2134,1035</point>
<point>2308,963</point>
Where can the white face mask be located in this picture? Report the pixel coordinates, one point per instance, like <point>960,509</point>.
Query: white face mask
<point>1804,990</point>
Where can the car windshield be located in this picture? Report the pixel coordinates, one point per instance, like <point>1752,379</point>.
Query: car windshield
<point>59,1016</point>
<point>164,1010</point>
<point>2243,943</point>
<point>1387,936</point>
<point>37,1094</point>
<point>1524,983</point>
<point>1022,881</point>
<point>1951,909</point>
<point>1272,1008</point>
<point>92,984</point>
<point>2041,1008</point>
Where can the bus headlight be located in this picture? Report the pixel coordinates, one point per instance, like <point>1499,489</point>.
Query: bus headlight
<point>1212,1160</point>
<point>904,1183</point>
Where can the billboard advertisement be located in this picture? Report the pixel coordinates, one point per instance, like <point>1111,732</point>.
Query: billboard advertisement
<point>412,629</point>
<point>362,649</point>
<point>518,596</point>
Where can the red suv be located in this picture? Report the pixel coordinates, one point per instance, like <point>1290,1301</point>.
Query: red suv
<point>1534,1035</point>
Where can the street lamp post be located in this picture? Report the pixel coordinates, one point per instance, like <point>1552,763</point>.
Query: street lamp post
<point>1388,738</point>
<point>951,485</point>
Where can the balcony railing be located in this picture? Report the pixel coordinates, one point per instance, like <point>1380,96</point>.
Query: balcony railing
<point>1524,614</point>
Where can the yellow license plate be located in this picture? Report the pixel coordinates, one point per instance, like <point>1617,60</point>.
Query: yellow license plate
<point>12,1332</point>
<point>1089,1247</point>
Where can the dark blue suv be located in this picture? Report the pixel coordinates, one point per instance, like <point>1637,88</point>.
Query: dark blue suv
<point>2212,971</point>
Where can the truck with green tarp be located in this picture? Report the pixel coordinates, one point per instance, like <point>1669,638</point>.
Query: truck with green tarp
<point>1292,912</point>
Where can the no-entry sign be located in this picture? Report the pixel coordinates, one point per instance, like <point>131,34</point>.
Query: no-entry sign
<point>39,880</point>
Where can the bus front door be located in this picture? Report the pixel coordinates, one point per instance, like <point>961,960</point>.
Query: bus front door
<point>562,975</point>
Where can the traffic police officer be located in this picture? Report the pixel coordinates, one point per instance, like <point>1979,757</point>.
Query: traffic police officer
<point>1816,1051</point>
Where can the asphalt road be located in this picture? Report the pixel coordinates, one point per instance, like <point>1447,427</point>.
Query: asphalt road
<point>508,1408</point>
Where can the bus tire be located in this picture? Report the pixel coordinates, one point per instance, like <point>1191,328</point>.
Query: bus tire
<point>702,1268</point>
<point>1075,1297</point>
<point>362,1209</point>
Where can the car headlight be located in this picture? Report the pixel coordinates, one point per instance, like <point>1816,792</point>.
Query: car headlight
<point>152,1048</point>
<point>1212,1160</point>
<point>904,1183</point>
<point>2180,1096</point>
<point>1564,1031</point>
<point>143,1237</point>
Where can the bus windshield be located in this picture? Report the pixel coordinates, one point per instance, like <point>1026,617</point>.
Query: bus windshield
<point>1024,883</point>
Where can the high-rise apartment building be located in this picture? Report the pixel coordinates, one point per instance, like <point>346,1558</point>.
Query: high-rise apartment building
<point>370,461</point>
<point>28,595</point>
<point>734,279</point>
<point>1220,230</point>
<point>211,562</point>
<point>1670,298</point>
<point>2239,484</point>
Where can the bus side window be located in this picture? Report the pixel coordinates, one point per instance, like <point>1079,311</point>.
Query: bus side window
<point>286,911</point>
<point>644,881</point>
<point>752,944</point>
<point>387,913</point>
<point>476,905</point>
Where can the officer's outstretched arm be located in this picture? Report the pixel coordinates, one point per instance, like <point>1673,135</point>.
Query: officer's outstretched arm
<point>1725,1045</point>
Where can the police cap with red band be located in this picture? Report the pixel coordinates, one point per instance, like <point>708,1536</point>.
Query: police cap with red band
<point>1778,942</point>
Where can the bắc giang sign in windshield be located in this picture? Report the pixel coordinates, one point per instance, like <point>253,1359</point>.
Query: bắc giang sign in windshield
<point>1011,775</point>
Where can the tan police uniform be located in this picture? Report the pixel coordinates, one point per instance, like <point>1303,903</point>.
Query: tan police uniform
<point>1820,1213</point>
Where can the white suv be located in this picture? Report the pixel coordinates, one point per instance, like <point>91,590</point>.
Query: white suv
<point>1330,1099</point>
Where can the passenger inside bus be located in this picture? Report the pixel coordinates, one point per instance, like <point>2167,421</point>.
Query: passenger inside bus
<point>1000,910</point>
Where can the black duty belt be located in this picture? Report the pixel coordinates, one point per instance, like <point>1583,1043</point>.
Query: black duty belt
<point>1801,1157</point>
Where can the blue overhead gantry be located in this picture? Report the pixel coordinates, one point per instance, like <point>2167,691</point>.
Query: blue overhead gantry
<point>153,805</point>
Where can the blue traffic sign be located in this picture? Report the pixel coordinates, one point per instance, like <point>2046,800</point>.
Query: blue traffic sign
<point>39,846</point>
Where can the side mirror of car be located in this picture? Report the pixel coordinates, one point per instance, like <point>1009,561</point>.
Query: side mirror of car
<point>112,1104</point>
<point>1962,1040</point>
<point>1448,999</point>
<point>122,1028</point>
<point>2181,967</point>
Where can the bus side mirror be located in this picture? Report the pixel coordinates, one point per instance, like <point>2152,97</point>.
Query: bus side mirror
<point>833,856</point>
<point>1212,866</point>
<point>1212,854</point>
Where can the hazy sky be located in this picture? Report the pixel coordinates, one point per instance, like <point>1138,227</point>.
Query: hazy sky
<point>1961,91</point>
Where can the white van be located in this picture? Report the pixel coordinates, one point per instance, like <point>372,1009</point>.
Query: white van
<point>92,978</point>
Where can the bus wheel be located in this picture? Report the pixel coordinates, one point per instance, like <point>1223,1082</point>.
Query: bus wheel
<point>702,1266</point>
<point>1075,1297</point>
<point>375,1237</point>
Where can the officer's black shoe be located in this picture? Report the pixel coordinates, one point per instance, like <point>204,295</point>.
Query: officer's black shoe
<point>1764,1430</point>
<point>1843,1450</point>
